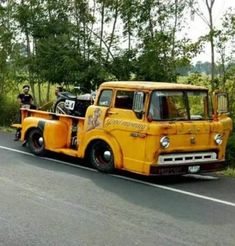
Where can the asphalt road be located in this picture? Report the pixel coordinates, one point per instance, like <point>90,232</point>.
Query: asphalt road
<point>46,201</point>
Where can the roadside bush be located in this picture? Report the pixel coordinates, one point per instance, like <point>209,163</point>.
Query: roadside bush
<point>230,151</point>
<point>9,111</point>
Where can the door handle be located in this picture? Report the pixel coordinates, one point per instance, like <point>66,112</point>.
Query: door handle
<point>138,135</point>
<point>113,113</point>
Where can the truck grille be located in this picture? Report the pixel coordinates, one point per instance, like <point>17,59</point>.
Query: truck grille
<point>187,158</point>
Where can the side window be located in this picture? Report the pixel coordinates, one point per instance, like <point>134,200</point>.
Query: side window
<point>105,98</point>
<point>124,99</point>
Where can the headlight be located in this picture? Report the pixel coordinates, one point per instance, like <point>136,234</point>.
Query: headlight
<point>165,142</point>
<point>218,139</point>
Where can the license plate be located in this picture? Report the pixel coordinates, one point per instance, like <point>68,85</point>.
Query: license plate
<point>193,169</point>
<point>69,104</point>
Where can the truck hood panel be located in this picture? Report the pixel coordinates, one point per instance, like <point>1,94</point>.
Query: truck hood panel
<point>192,128</point>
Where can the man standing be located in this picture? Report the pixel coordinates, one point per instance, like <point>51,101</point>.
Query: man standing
<point>25,100</point>
<point>49,106</point>
<point>57,91</point>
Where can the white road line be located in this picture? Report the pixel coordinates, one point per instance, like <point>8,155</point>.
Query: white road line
<point>205,177</point>
<point>180,191</point>
<point>131,179</point>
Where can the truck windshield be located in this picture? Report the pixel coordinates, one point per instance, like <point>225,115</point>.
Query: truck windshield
<point>179,105</point>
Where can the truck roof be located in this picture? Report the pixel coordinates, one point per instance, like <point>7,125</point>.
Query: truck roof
<point>151,85</point>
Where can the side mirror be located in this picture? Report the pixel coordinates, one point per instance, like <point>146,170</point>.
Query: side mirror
<point>221,103</point>
<point>138,103</point>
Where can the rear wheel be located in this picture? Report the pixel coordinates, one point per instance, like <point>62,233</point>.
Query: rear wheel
<point>101,156</point>
<point>36,142</point>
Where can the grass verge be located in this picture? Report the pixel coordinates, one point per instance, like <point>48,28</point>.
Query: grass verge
<point>230,172</point>
<point>6,129</point>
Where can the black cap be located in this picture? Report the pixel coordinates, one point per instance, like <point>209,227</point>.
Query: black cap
<point>26,86</point>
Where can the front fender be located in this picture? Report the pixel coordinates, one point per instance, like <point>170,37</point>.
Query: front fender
<point>100,134</point>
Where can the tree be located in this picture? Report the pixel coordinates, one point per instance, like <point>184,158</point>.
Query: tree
<point>8,49</point>
<point>129,16</point>
<point>24,14</point>
<point>224,45</point>
<point>161,52</point>
<point>208,20</point>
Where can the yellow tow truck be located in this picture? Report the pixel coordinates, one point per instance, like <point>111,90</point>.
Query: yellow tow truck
<point>150,128</point>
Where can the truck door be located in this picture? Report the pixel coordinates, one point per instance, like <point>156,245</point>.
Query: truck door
<point>129,129</point>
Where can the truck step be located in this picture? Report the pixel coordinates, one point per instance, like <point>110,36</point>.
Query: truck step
<point>67,151</point>
<point>16,126</point>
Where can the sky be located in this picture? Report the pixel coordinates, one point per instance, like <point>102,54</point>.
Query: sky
<point>197,27</point>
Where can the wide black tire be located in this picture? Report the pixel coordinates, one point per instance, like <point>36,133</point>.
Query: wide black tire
<point>59,107</point>
<point>101,156</point>
<point>36,142</point>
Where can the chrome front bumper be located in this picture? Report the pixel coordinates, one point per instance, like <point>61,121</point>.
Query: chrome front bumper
<point>188,168</point>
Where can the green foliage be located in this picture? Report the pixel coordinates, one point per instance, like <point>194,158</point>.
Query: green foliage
<point>87,42</point>
<point>228,172</point>
<point>123,66</point>
<point>230,151</point>
<point>196,79</point>
<point>10,111</point>
<point>57,41</point>
<point>57,60</point>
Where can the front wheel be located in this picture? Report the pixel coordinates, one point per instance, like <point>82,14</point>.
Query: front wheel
<point>60,108</point>
<point>101,157</point>
<point>36,142</point>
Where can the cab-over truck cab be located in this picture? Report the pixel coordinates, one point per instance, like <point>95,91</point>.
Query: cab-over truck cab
<point>149,128</point>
